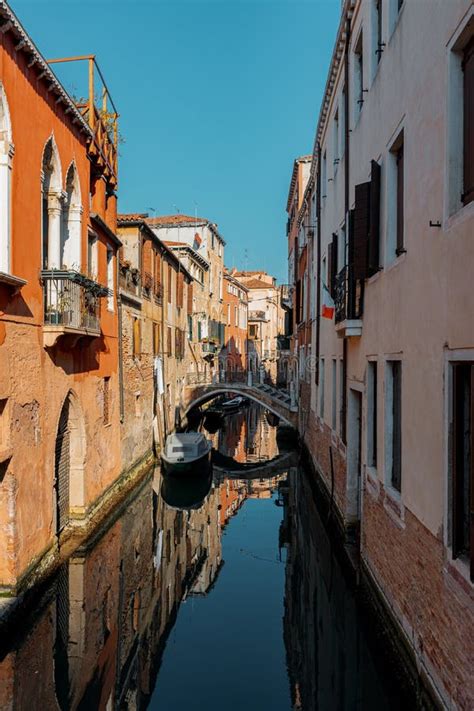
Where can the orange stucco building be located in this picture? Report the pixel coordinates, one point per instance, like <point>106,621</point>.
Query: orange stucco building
<point>233,355</point>
<point>59,410</point>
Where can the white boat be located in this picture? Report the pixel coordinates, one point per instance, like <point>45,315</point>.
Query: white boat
<point>186,453</point>
<point>235,403</point>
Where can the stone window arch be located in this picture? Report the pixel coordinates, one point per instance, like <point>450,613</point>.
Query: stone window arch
<point>6,160</point>
<point>51,182</point>
<point>70,255</point>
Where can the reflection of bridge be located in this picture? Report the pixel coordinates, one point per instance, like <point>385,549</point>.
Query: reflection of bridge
<point>230,469</point>
<point>199,389</point>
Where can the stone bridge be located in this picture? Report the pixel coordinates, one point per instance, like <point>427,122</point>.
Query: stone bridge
<point>278,401</point>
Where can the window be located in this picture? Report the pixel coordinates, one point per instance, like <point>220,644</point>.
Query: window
<point>253,334</point>
<point>395,200</point>
<point>400,199</point>
<point>324,177</point>
<point>179,290</point>
<point>372,413</point>
<point>341,398</point>
<point>393,424</point>
<point>5,184</point>
<point>110,278</point>
<point>342,122</point>
<point>169,342</point>
<point>93,256</point>
<point>377,33</point>
<point>358,76</point>
<point>321,389</point>
<point>106,402</point>
<point>462,456</point>
<point>136,337</point>
<point>156,339</point>
<point>334,394</point>
<point>336,140</point>
<point>468,119</point>
<point>170,283</point>
<point>70,248</point>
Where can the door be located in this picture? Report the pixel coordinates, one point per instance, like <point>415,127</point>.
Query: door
<point>62,469</point>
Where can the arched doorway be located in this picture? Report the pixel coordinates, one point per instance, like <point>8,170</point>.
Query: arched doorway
<point>69,463</point>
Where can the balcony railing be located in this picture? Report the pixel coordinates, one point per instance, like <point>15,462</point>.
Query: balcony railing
<point>348,296</point>
<point>71,304</point>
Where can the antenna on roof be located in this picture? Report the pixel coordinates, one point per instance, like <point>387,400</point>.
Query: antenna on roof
<point>246,259</point>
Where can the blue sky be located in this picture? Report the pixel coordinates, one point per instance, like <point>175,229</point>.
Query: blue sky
<point>216,97</point>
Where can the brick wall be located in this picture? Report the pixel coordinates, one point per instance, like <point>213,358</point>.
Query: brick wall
<point>431,601</point>
<point>318,438</point>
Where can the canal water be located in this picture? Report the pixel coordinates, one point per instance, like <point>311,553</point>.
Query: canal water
<point>224,593</point>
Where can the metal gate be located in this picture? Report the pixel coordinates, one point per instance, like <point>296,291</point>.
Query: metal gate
<point>62,469</point>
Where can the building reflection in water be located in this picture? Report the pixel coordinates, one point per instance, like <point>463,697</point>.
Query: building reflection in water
<point>99,638</point>
<point>334,660</point>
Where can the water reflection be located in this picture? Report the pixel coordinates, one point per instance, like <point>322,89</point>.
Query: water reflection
<point>100,635</point>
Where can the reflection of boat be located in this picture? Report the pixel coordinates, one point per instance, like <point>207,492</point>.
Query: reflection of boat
<point>186,453</point>
<point>213,421</point>
<point>234,404</point>
<point>186,492</point>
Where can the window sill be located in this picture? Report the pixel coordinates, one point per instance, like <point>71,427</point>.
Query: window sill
<point>397,260</point>
<point>394,507</point>
<point>458,571</point>
<point>14,282</point>
<point>463,214</point>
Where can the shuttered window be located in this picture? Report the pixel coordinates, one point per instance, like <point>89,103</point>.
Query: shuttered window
<point>468,158</point>
<point>156,339</point>
<point>190,299</point>
<point>169,343</point>
<point>400,199</point>
<point>395,390</point>
<point>373,265</point>
<point>361,230</point>
<point>170,283</point>
<point>180,290</point>
<point>462,456</point>
<point>136,337</point>
<point>332,264</point>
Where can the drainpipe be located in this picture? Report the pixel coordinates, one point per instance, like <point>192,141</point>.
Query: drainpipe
<point>346,211</point>
<point>318,251</point>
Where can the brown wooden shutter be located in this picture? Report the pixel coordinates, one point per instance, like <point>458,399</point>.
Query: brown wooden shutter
<point>190,299</point>
<point>374,226</point>
<point>333,272</point>
<point>361,230</point>
<point>170,277</point>
<point>468,68</point>
<point>400,200</point>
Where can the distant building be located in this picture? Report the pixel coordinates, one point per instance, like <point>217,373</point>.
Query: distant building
<point>265,322</point>
<point>207,244</point>
<point>233,354</point>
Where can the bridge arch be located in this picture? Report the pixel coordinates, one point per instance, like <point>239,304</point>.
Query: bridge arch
<point>258,397</point>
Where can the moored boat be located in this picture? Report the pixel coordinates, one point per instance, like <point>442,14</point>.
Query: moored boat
<point>186,453</point>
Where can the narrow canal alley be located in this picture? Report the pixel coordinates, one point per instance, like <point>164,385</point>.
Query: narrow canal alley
<point>223,593</point>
